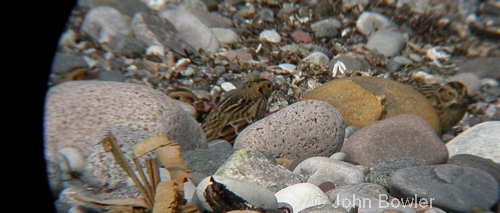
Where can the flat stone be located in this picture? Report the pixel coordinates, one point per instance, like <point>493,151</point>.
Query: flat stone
<point>451,187</point>
<point>382,172</point>
<point>364,100</point>
<point>270,36</point>
<point>480,140</point>
<point>103,23</point>
<point>63,62</point>
<point>212,20</point>
<point>486,67</point>
<point>388,43</point>
<point>197,34</point>
<point>317,58</point>
<point>369,22</point>
<point>154,30</point>
<point>126,7</point>
<point>397,136</point>
<point>301,36</point>
<point>350,61</point>
<point>257,167</point>
<point>225,36</point>
<point>477,162</point>
<point>318,170</point>
<point>305,128</point>
<point>255,195</point>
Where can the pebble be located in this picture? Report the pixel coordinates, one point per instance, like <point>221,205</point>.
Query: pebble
<point>255,195</point>
<point>350,61</point>
<point>340,156</point>
<point>301,196</point>
<point>484,67</point>
<point>480,140</point>
<point>156,31</point>
<point>212,20</point>
<point>370,189</point>
<point>88,109</point>
<point>382,172</point>
<point>205,162</point>
<point>402,60</point>
<point>477,162</point>
<point>397,136</point>
<point>318,170</point>
<point>270,36</point>
<point>127,46</point>
<point>233,54</point>
<point>349,131</point>
<point>304,128</point>
<point>388,43</point>
<point>301,37</point>
<point>451,187</point>
<point>469,79</point>
<point>327,28</point>
<point>266,14</point>
<point>194,32</point>
<point>364,100</point>
<point>317,58</point>
<point>415,57</point>
<point>323,209</point>
<point>225,36</point>
<point>392,66</point>
<point>103,23</point>
<point>258,167</point>
<point>126,7</point>
<point>227,86</point>
<point>63,62</point>
<point>369,22</point>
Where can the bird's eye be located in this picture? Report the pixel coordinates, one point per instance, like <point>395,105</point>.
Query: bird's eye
<point>269,86</point>
<point>177,97</point>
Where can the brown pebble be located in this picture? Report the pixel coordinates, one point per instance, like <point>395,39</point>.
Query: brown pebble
<point>326,186</point>
<point>301,36</point>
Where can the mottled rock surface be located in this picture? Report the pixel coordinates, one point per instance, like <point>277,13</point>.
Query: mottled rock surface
<point>398,136</point>
<point>305,128</point>
<point>364,100</point>
<point>382,172</point>
<point>321,169</point>
<point>480,140</point>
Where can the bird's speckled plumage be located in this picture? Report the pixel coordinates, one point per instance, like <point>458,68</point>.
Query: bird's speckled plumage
<point>449,101</point>
<point>239,109</point>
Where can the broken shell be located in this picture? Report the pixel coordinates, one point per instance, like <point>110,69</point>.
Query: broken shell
<point>226,86</point>
<point>302,195</point>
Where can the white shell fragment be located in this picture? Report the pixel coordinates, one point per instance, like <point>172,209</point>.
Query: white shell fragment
<point>155,50</point>
<point>226,86</point>
<point>302,195</point>
<point>270,36</point>
<point>437,53</point>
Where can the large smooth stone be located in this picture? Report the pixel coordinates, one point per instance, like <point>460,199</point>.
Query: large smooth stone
<point>482,140</point>
<point>364,100</point>
<point>451,187</point>
<point>318,170</point>
<point>398,136</point>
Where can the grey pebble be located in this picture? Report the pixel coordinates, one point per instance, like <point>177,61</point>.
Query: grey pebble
<point>349,131</point>
<point>103,23</point>
<point>382,172</point>
<point>258,167</point>
<point>388,43</point>
<point>469,79</point>
<point>402,60</point>
<point>318,170</point>
<point>340,156</point>
<point>392,66</point>
<point>480,140</point>
<point>477,162</point>
<point>113,75</point>
<point>328,28</point>
<point>225,36</point>
<point>63,62</point>
<point>317,58</point>
<point>452,188</point>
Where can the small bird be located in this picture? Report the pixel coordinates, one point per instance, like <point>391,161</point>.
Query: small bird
<point>237,110</point>
<point>449,100</point>
<point>202,107</point>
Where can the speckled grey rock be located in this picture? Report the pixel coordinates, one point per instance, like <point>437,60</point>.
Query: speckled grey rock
<point>203,163</point>
<point>369,22</point>
<point>469,79</point>
<point>63,62</point>
<point>258,167</point>
<point>79,113</point>
<point>302,195</point>
<point>317,58</point>
<point>318,170</point>
<point>225,36</point>
<point>257,196</point>
<point>339,156</point>
<point>477,162</point>
<point>382,172</point>
<point>310,127</point>
<point>397,136</point>
<point>192,30</point>
<point>103,23</point>
<point>157,31</point>
<point>480,140</point>
<point>454,188</point>
<point>388,43</point>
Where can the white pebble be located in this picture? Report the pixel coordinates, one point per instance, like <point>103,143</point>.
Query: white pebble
<point>270,36</point>
<point>369,22</point>
<point>75,159</point>
<point>155,50</point>
<point>226,86</point>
